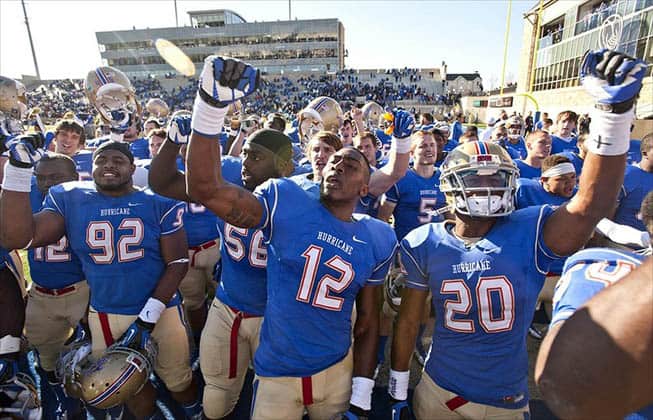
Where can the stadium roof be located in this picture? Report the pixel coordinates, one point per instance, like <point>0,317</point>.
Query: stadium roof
<point>466,76</point>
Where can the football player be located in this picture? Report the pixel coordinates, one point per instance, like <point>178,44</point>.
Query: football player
<point>589,389</point>
<point>58,297</point>
<point>556,185</point>
<point>132,247</point>
<point>231,335</point>
<point>638,181</point>
<point>538,146</point>
<point>486,269</point>
<point>515,144</point>
<point>564,137</point>
<point>69,139</point>
<point>317,267</point>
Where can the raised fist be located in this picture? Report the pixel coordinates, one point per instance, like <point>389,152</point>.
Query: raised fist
<point>613,78</point>
<point>25,150</point>
<point>403,123</point>
<point>179,127</point>
<point>226,80</point>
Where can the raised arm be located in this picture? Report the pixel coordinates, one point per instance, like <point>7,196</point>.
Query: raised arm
<point>18,227</point>
<point>223,81</point>
<point>612,377</point>
<point>399,156</point>
<point>164,178</point>
<point>614,79</point>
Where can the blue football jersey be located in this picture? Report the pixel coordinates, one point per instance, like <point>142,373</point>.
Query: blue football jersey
<point>416,200</point>
<point>53,266</point>
<point>84,164</point>
<point>560,145</point>
<point>200,224</point>
<point>517,150</point>
<point>634,154</point>
<point>244,260</point>
<point>637,183</point>
<point>527,171</point>
<point>484,297</point>
<point>305,182</point>
<point>316,266</point>
<point>531,192</point>
<point>586,273</point>
<point>117,241</point>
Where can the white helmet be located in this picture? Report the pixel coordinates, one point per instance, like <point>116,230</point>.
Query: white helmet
<point>371,114</point>
<point>322,113</point>
<point>113,96</point>
<point>13,105</point>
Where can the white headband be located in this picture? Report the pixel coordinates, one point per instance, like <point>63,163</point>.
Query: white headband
<point>560,169</point>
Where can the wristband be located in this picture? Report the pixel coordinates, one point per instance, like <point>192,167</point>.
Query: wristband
<point>398,385</point>
<point>361,392</point>
<point>609,133</point>
<point>152,310</point>
<point>9,344</point>
<point>207,120</point>
<point>401,145</point>
<point>17,179</point>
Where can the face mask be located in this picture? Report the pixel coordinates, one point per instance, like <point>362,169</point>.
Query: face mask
<point>482,205</point>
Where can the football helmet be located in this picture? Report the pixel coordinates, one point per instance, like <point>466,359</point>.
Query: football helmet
<point>157,108</point>
<point>479,179</point>
<point>371,114</point>
<point>393,285</point>
<point>113,96</point>
<point>13,105</point>
<point>514,126</point>
<point>19,399</point>
<point>322,113</point>
<point>111,380</point>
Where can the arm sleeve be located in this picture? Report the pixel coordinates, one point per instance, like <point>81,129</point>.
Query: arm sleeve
<point>414,259</point>
<point>172,218</point>
<point>267,195</point>
<point>54,201</point>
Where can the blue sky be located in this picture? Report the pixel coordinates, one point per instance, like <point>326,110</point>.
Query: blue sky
<point>467,35</point>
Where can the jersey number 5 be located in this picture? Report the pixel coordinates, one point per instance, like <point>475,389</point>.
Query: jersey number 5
<point>100,236</point>
<point>322,298</point>
<point>462,304</point>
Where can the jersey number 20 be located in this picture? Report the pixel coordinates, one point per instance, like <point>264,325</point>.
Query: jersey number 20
<point>463,304</point>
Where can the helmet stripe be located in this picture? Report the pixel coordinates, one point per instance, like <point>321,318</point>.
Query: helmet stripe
<point>114,386</point>
<point>101,76</point>
<point>483,148</point>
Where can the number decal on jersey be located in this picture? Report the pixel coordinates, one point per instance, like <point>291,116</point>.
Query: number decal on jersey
<point>196,208</point>
<point>323,299</point>
<point>485,287</point>
<point>426,210</point>
<point>233,239</point>
<point>461,305</point>
<point>85,176</point>
<point>134,239</point>
<point>607,274</point>
<point>54,252</point>
<point>100,236</point>
<point>179,218</point>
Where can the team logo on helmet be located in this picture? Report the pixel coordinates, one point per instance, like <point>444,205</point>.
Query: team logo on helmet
<point>479,179</point>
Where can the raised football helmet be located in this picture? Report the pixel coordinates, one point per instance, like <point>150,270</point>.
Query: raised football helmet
<point>112,94</point>
<point>322,113</point>
<point>157,108</point>
<point>13,105</point>
<point>479,179</point>
<point>111,380</point>
<point>371,114</point>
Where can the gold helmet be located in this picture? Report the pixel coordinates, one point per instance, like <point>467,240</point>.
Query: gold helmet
<point>322,113</point>
<point>118,375</point>
<point>157,108</point>
<point>13,105</point>
<point>371,114</point>
<point>113,96</point>
<point>479,179</point>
